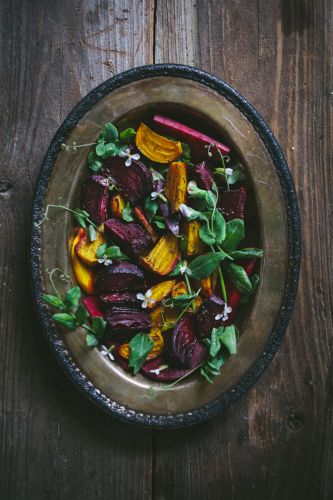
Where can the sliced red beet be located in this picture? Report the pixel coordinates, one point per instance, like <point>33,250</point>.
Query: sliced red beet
<point>134,182</point>
<point>232,203</point>
<point>233,294</point>
<point>119,298</point>
<point>123,276</point>
<point>195,139</point>
<point>167,375</point>
<point>203,176</point>
<point>94,198</point>
<point>127,320</point>
<point>93,306</point>
<point>185,347</point>
<point>205,317</point>
<point>130,236</point>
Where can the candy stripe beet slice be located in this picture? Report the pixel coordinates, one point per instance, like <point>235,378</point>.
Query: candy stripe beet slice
<point>185,347</point>
<point>205,317</point>
<point>132,238</point>
<point>203,176</point>
<point>232,203</point>
<point>123,276</point>
<point>119,298</point>
<point>134,182</point>
<point>94,198</point>
<point>127,320</point>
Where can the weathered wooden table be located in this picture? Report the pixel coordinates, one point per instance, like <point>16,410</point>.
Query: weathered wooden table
<point>276,442</point>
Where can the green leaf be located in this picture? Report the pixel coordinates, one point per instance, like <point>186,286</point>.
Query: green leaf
<point>176,270</point>
<point>96,166</point>
<point>219,227</point>
<point>127,214</point>
<point>186,154</point>
<point>150,208</point>
<point>110,150</point>
<point>110,132</point>
<point>206,235</point>
<point>204,265</point>
<point>92,233</point>
<point>228,338</point>
<point>100,252</point>
<point>72,297</point>
<point>81,219</point>
<point>215,344</point>
<point>159,224</point>
<point>247,253</point>
<point>65,320</point>
<point>235,233</point>
<point>81,314</point>
<point>114,252</point>
<point>127,135</point>
<point>140,347</point>
<point>100,149</point>
<point>54,301</point>
<point>246,295</point>
<point>98,325</point>
<point>237,175</point>
<point>239,277</point>
<point>91,340</point>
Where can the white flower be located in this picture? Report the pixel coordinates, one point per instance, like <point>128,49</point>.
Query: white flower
<point>184,269</point>
<point>127,154</point>
<point>154,195</point>
<point>192,187</point>
<point>224,316</point>
<point>107,352</point>
<point>228,171</point>
<point>158,370</point>
<point>186,211</point>
<point>105,260</point>
<point>146,298</point>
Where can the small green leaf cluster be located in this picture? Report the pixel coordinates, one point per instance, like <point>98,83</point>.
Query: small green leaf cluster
<point>73,314</point>
<point>223,341</point>
<point>140,346</point>
<point>111,252</point>
<point>109,143</point>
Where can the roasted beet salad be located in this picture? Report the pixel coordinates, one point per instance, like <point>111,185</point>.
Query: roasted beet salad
<point>158,251</point>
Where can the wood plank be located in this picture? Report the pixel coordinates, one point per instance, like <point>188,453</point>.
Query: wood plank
<point>55,444</point>
<point>276,442</point>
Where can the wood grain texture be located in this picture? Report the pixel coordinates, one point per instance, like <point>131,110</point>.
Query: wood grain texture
<point>54,444</point>
<point>276,442</point>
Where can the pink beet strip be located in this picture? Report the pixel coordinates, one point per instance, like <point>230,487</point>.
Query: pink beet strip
<point>189,133</point>
<point>233,294</point>
<point>93,306</point>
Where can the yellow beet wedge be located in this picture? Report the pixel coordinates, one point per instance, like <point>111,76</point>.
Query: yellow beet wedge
<point>86,249</point>
<point>117,205</point>
<point>156,147</point>
<point>156,336</point>
<point>160,292</point>
<point>176,185</point>
<point>83,274</point>
<point>162,259</point>
<point>194,245</point>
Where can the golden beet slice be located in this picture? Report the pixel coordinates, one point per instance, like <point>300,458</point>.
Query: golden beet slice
<point>163,258</point>
<point>86,249</point>
<point>156,336</point>
<point>176,185</point>
<point>160,292</point>
<point>83,274</point>
<point>117,205</point>
<point>156,147</point>
<point>194,245</point>
<point>208,285</point>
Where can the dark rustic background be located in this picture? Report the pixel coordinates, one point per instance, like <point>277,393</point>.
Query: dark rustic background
<point>276,442</point>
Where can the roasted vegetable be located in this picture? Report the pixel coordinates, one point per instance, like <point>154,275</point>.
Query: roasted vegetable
<point>123,276</point>
<point>119,298</point>
<point>232,203</point>
<point>132,238</point>
<point>86,249</point>
<point>159,369</point>
<point>209,316</point>
<point>208,285</point>
<point>83,274</point>
<point>180,288</point>
<point>234,295</point>
<point>156,147</point>
<point>126,320</point>
<point>117,205</point>
<point>94,198</point>
<point>194,245</point>
<point>163,317</point>
<point>93,306</point>
<point>185,347</point>
<point>156,336</point>
<point>163,258</point>
<point>160,292</point>
<point>176,185</point>
<point>195,139</point>
<point>134,182</point>
<point>138,212</point>
<point>203,176</point>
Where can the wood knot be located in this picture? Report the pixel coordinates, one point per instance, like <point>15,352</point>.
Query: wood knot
<point>296,421</point>
<point>5,186</point>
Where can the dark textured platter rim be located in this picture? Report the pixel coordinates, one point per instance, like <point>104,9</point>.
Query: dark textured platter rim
<point>216,406</point>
